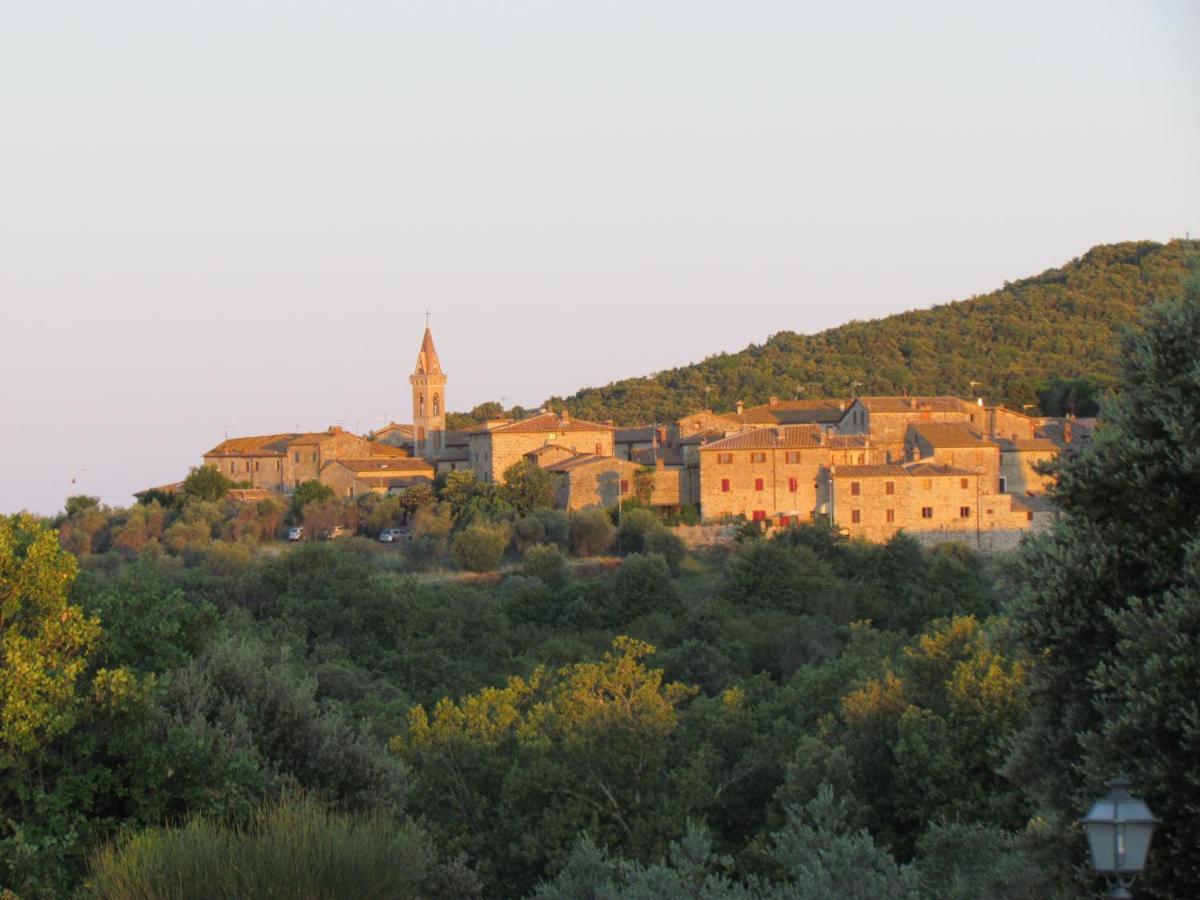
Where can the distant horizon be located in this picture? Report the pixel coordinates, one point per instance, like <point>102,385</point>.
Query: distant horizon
<point>228,219</point>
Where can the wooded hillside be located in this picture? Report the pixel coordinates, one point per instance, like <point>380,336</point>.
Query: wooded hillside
<point>1062,324</point>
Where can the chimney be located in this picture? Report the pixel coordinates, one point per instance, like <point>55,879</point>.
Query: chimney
<point>566,416</point>
<point>739,407</point>
<point>335,429</point>
<point>779,432</point>
<point>773,401</point>
<point>659,462</point>
<point>662,436</point>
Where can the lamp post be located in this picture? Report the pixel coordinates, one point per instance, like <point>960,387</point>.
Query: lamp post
<point>1118,829</point>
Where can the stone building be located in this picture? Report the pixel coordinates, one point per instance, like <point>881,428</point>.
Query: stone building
<point>394,434</point>
<point>282,462</point>
<point>375,475</point>
<point>933,502</point>
<point>429,400</point>
<point>585,480</point>
<point>1021,460</point>
<point>954,444</point>
<point>770,474</point>
<point>496,445</point>
<point>886,419</point>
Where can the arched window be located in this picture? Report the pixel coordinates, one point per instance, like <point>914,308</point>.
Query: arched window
<point>436,405</point>
<point>421,405</point>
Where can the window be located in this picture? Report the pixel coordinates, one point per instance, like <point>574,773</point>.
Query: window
<point>421,405</point>
<point>256,465</point>
<point>758,457</point>
<point>232,468</point>
<point>436,404</point>
<point>926,512</point>
<point>314,456</point>
<point>964,512</point>
<point>724,458</point>
<point>889,487</point>
<point>855,489</point>
<point>963,482</point>
<point>926,483</point>
<point>890,515</point>
<point>1003,485</point>
<point>758,484</point>
<point>725,485</point>
<point>624,486</point>
<point>296,456</point>
<point>277,465</point>
<point>793,485</point>
<point>792,456</point>
<point>855,516</point>
<point>599,449</point>
<point>759,514</point>
<point>1029,515</point>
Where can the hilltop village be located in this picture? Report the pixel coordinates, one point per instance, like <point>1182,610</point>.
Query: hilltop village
<point>938,468</point>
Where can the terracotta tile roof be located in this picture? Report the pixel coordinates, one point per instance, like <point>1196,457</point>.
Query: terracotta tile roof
<point>704,437</point>
<point>589,459</point>
<point>405,430</point>
<point>385,465</point>
<point>378,449</point>
<point>928,469</point>
<point>781,437</point>
<point>551,423</point>
<point>256,445</point>
<point>794,412</point>
<point>640,435</point>
<point>949,434</point>
<point>649,456</point>
<point>872,471</point>
<point>546,448</point>
<point>382,479</point>
<point>427,358</point>
<point>913,404</point>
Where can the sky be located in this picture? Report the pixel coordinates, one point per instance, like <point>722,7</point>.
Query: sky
<point>231,217</point>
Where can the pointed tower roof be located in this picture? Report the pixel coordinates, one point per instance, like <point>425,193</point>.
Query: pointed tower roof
<point>427,359</point>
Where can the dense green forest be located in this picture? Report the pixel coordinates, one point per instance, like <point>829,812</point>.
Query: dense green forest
<point>521,703</point>
<point>1035,341</point>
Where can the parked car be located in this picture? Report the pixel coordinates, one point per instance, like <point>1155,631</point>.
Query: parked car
<point>391,535</point>
<point>296,533</point>
<point>337,531</point>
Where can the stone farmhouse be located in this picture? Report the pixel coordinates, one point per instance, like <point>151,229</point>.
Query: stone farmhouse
<point>941,468</point>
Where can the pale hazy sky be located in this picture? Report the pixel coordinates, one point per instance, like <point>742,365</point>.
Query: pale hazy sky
<point>232,216</point>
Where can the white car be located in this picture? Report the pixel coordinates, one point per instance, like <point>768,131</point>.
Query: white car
<point>391,535</point>
<point>296,533</point>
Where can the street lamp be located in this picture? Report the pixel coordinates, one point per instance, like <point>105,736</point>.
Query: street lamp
<point>1118,829</point>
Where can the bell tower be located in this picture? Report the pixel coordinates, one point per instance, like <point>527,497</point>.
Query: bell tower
<point>429,400</point>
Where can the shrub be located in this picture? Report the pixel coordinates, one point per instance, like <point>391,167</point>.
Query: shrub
<point>528,532</point>
<point>206,483</point>
<point>556,526</point>
<point>591,532</point>
<point>642,585</point>
<point>479,547</point>
<point>667,543</point>
<point>546,562</point>
<point>294,846</point>
<point>635,525</point>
